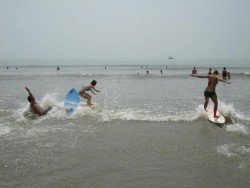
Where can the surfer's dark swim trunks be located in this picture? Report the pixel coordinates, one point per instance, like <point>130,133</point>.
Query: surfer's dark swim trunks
<point>46,111</point>
<point>209,94</point>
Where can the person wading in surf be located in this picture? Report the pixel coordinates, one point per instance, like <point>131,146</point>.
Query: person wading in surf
<point>35,107</point>
<point>210,90</point>
<point>88,87</point>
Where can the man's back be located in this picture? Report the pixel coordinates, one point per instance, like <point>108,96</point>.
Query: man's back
<point>36,108</point>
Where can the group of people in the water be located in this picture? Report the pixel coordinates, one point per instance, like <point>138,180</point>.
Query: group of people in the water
<point>209,93</point>
<point>40,111</point>
<point>225,74</point>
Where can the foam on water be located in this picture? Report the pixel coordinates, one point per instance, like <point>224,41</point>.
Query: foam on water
<point>147,115</point>
<point>4,130</point>
<point>240,128</point>
<point>102,114</point>
<point>242,165</point>
<point>232,150</point>
<point>23,114</point>
<point>224,109</point>
<point>246,73</point>
<point>227,110</point>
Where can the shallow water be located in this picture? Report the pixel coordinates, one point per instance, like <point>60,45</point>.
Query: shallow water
<point>147,130</point>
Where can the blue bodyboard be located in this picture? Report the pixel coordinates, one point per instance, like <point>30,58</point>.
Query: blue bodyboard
<point>71,101</point>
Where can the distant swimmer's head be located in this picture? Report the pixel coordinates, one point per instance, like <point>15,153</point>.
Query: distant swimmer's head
<point>93,83</point>
<point>215,72</point>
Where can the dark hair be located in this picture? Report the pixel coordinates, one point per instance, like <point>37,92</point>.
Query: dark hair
<point>216,72</point>
<point>29,98</point>
<point>93,83</point>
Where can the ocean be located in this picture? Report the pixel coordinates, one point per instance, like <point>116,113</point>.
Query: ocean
<point>148,130</point>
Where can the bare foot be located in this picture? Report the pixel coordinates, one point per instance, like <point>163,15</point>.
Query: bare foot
<point>216,117</point>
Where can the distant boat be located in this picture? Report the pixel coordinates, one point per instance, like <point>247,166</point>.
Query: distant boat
<point>170,57</point>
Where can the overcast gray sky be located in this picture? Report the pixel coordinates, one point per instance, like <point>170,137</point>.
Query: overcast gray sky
<point>31,29</point>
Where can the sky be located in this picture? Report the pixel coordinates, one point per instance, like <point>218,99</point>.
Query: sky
<point>124,29</point>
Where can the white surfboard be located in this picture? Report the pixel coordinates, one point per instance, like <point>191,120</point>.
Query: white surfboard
<point>210,116</point>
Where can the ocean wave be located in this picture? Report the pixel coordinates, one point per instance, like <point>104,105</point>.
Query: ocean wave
<point>101,114</point>
<point>245,73</point>
<point>241,74</point>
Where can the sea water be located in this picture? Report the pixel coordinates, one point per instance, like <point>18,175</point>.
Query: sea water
<point>148,130</point>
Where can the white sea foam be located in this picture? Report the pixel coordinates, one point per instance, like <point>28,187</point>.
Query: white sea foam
<point>99,114</point>
<point>200,111</point>
<point>35,131</point>
<point>23,114</point>
<point>102,114</point>
<point>231,150</point>
<point>246,73</point>
<point>51,100</point>
<point>237,128</point>
<point>225,150</point>
<point>242,165</point>
<point>227,109</point>
<point>144,115</point>
<point>4,130</point>
<point>242,117</point>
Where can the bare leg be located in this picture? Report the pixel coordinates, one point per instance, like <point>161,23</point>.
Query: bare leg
<point>214,99</point>
<point>89,102</point>
<point>206,103</point>
<point>88,97</point>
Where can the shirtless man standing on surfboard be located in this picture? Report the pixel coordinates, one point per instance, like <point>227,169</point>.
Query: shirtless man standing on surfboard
<point>35,107</point>
<point>88,87</point>
<point>210,90</point>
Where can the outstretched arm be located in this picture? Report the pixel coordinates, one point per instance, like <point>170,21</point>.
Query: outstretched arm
<point>200,76</point>
<point>95,89</point>
<point>92,91</point>
<point>222,80</point>
<point>31,95</point>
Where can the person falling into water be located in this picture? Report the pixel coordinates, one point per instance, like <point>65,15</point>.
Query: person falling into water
<point>35,107</point>
<point>210,90</point>
<point>88,87</point>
